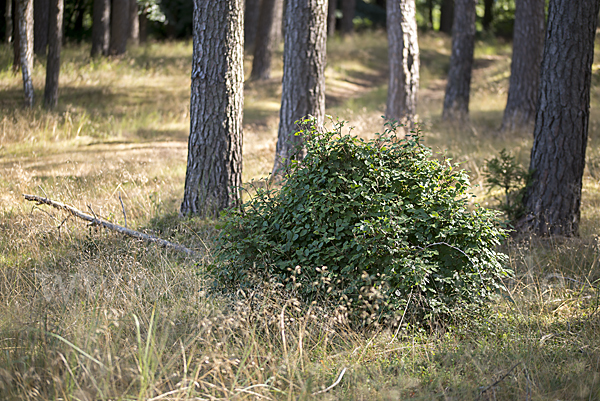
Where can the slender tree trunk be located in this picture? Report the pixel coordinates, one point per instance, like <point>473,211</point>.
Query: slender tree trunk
<point>303,87</point>
<point>403,51</point>
<point>8,17</point>
<point>331,17</point>
<point>101,28</point>
<point>430,7</point>
<point>456,99</point>
<point>55,43</point>
<point>561,125</point>
<point>488,14</point>
<point>348,12</point>
<point>528,45</point>
<point>263,49</point>
<point>251,13</point>
<point>214,168</point>
<point>134,23</point>
<point>277,25</point>
<point>16,38</point>
<point>119,27</point>
<point>447,16</point>
<point>41,10</point>
<point>25,19</point>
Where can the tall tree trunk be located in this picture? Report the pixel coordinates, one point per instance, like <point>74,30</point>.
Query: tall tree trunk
<point>214,168</point>
<point>54,45</point>
<point>331,17</point>
<point>41,9</point>
<point>430,7</point>
<point>403,51</point>
<point>16,38</point>
<point>119,27</point>
<point>144,26</point>
<point>101,28</point>
<point>561,124</point>
<point>456,99</point>
<point>134,23</point>
<point>263,49</point>
<point>348,12</point>
<point>251,13</point>
<point>488,14</point>
<point>277,25</point>
<point>447,16</point>
<point>25,20</point>
<point>303,87</point>
<point>528,45</point>
<point>8,17</point>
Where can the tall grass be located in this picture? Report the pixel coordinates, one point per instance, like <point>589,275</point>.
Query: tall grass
<point>87,314</point>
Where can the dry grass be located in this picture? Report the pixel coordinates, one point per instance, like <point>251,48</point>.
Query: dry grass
<point>88,315</point>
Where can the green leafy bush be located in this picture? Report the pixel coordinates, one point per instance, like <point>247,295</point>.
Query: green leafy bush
<point>372,224</point>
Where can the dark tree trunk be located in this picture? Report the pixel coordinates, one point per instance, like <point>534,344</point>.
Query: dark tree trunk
<point>134,23</point>
<point>447,16</point>
<point>561,124</point>
<point>25,20</point>
<point>79,15</point>
<point>456,99</point>
<point>528,45</point>
<point>488,14</point>
<point>119,27</point>
<point>8,18</point>
<point>303,87</point>
<point>263,49</point>
<point>214,168</point>
<point>331,17</point>
<point>54,45</point>
<point>101,28</point>
<point>16,38</point>
<point>430,6</point>
<point>277,25</point>
<point>41,10</point>
<point>403,51</point>
<point>251,14</point>
<point>348,11</point>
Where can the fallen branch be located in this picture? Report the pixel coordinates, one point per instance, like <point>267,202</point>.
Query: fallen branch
<point>108,225</point>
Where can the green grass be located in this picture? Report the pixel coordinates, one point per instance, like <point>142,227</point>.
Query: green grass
<point>87,314</point>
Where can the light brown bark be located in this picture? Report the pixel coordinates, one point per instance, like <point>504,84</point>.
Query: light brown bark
<point>214,168</point>
<point>134,23</point>
<point>303,87</point>
<point>403,54</point>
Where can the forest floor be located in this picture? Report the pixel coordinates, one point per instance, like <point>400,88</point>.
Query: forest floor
<point>87,314</point>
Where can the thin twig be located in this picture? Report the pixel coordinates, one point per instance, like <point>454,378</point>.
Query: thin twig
<point>123,207</point>
<point>402,319</point>
<point>499,380</point>
<point>94,220</point>
<point>339,379</point>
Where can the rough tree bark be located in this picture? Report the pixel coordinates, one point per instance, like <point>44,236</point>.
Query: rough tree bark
<point>54,45</point>
<point>348,12</point>
<point>41,11</point>
<point>447,16</point>
<point>134,23</point>
<point>101,28</point>
<point>251,13</point>
<point>119,27</point>
<point>456,99</point>
<point>303,87</point>
<point>403,51</point>
<point>214,167</point>
<point>25,21</point>
<point>263,49</point>
<point>553,200</point>
<point>331,17</point>
<point>528,45</point>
